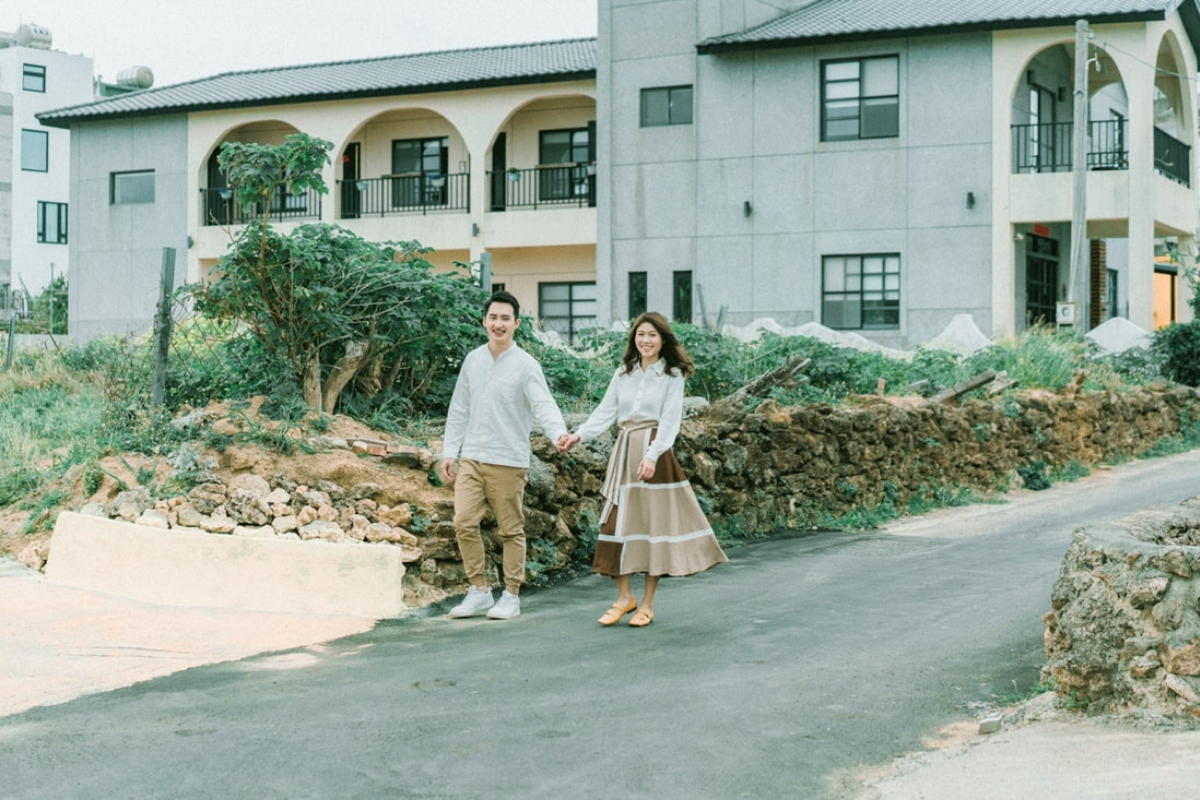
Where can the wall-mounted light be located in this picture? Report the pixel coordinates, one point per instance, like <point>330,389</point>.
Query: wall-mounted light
<point>970,199</point>
<point>747,209</point>
<point>474,228</point>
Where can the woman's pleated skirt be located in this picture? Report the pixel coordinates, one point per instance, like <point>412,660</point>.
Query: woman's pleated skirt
<point>654,526</point>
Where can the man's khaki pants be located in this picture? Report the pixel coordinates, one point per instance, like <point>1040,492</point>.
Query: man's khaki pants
<point>476,487</point>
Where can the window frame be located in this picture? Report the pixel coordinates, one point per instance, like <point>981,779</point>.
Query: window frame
<point>36,71</point>
<point>637,283</point>
<point>671,93</point>
<point>61,220</point>
<point>565,180</point>
<point>846,293</point>
<point>45,139</point>
<point>114,179</point>
<point>574,321</point>
<point>859,98</point>
<point>683,298</point>
<point>422,187</point>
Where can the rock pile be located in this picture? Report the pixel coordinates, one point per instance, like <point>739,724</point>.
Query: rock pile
<point>249,505</point>
<point>1124,632</point>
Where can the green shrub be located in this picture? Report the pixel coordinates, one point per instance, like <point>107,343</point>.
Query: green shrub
<point>1178,346</point>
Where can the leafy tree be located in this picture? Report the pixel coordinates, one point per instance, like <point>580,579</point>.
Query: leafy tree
<point>337,308</point>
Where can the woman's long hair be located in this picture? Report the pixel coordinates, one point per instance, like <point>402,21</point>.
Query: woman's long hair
<point>679,362</point>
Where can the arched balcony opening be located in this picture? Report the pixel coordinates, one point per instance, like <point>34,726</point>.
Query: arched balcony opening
<point>1043,110</point>
<point>544,155</point>
<point>1172,110</point>
<point>404,161</point>
<point>218,203</point>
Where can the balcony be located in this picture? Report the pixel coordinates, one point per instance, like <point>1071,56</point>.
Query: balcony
<point>220,207</point>
<point>1172,158</point>
<point>570,185</point>
<point>1049,147</point>
<point>414,193</point>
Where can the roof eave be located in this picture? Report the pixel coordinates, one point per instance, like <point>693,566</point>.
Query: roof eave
<point>716,48</point>
<point>66,120</point>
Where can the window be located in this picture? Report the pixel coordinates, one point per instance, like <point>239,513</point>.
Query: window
<point>35,151</point>
<point>1110,301</point>
<point>52,222</point>
<point>567,308</point>
<point>681,296</point>
<point>498,287</point>
<point>33,78</point>
<point>671,105</point>
<point>861,292</point>
<point>126,188</point>
<point>637,294</point>
<point>421,166</point>
<point>563,164</point>
<point>860,99</point>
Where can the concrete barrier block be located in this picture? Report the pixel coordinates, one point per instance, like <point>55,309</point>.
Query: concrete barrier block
<point>173,567</point>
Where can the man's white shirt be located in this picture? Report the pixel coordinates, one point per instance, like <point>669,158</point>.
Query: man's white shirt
<point>494,407</point>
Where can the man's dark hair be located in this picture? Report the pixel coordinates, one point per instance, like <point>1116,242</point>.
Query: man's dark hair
<point>503,297</point>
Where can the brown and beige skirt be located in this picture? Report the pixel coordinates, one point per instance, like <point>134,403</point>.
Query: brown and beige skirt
<point>653,526</point>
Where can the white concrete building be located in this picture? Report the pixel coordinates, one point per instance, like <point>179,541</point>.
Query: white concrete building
<point>35,174</point>
<point>466,151</point>
<point>882,166</point>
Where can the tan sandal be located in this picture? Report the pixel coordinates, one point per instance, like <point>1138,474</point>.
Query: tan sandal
<point>614,614</point>
<point>642,618</point>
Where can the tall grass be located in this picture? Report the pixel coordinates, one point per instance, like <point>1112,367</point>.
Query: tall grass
<point>50,418</point>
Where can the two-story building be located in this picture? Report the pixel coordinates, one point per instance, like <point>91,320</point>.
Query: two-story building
<point>487,150</point>
<point>882,166</point>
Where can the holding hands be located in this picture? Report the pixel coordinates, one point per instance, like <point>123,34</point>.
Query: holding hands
<point>645,470</point>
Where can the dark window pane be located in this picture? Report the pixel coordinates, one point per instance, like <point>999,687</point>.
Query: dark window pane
<point>681,106</point>
<point>637,294</point>
<point>681,305</point>
<point>656,107</point>
<point>880,117</point>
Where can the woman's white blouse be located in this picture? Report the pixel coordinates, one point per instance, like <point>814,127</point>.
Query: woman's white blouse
<point>644,394</point>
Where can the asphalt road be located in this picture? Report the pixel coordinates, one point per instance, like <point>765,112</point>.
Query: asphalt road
<point>783,673</point>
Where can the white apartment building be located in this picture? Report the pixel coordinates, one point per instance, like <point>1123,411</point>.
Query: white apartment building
<point>35,174</point>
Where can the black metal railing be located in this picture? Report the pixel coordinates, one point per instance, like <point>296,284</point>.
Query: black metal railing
<point>1047,147</point>
<point>1172,158</point>
<point>1106,145</point>
<point>416,193</point>
<point>559,185</point>
<point>220,207</point>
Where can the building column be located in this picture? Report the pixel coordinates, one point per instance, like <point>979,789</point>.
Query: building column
<point>1187,261</point>
<point>1139,87</point>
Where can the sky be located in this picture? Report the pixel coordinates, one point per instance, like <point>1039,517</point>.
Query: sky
<point>184,40</point>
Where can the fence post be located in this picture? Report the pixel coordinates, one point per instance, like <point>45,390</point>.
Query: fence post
<point>12,335</point>
<point>162,328</point>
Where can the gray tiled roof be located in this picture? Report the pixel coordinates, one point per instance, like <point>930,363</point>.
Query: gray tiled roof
<point>446,70</point>
<point>833,20</point>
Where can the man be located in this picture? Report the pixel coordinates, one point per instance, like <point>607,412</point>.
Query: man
<point>500,392</point>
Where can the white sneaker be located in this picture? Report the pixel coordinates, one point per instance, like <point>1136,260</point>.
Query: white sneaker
<point>508,607</point>
<point>477,600</point>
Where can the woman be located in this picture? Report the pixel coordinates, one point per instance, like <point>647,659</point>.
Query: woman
<point>650,522</point>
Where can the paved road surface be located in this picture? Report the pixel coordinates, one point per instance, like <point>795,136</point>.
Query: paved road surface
<point>789,672</point>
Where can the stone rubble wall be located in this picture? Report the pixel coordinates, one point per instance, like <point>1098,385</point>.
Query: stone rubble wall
<point>1124,630</point>
<point>753,472</point>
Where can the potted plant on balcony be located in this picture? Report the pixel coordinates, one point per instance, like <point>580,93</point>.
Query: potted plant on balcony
<point>514,174</point>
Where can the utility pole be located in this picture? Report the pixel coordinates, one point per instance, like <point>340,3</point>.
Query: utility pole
<point>1079,250</point>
